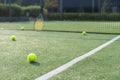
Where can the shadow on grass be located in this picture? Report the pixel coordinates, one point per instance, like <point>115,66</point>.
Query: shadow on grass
<point>35,63</point>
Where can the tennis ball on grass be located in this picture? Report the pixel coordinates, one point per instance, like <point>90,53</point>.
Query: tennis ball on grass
<point>22,28</point>
<point>13,38</point>
<point>32,57</point>
<point>84,33</point>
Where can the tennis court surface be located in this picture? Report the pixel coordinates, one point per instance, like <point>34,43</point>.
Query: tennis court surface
<point>58,43</point>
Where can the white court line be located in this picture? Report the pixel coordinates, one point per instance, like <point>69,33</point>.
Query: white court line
<point>74,61</point>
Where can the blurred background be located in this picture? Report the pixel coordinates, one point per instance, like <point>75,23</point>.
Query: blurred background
<point>23,10</point>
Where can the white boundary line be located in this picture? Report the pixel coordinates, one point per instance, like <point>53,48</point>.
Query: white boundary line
<point>74,61</point>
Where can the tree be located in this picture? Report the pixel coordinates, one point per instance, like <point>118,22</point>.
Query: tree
<point>106,5</point>
<point>51,3</point>
<point>19,2</point>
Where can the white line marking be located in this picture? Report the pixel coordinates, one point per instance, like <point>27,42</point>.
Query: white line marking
<point>74,61</point>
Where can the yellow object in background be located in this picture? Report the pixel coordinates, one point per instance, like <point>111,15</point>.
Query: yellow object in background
<point>39,24</point>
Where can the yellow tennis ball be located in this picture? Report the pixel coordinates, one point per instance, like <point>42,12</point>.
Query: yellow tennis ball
<point>84,33</point>
<point>13,38</point>
<point>32,57</point>
<point>22,28</point>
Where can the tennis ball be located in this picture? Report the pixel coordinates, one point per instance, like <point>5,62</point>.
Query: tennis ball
<point>22,28</point>
<point>13,38</point>
<point>32,57</point>
<point>84,33</point>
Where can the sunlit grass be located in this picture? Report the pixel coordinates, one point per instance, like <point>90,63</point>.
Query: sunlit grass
<point>105,65</point>
<point>52,49</point>
<point>77,26</point>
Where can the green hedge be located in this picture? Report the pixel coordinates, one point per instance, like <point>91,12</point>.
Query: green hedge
<point>3,10</point>
<point>18,11</point>
<point>85,16</point>
<point>32,10</point>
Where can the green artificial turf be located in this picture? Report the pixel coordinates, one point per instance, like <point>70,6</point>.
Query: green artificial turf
<point>105,65</point>
<point>53,49</point>
<point>89,26</point>
<point>75,26</point>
